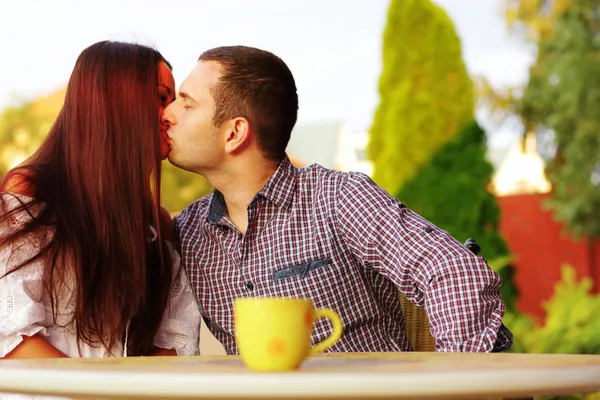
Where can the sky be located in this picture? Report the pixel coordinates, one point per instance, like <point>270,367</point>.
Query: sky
<point>333,47</point>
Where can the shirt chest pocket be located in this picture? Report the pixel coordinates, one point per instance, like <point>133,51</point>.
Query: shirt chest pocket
<point>302,270</point>
<point>315,280</point>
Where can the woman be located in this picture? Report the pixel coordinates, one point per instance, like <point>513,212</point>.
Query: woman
<point>86,266</point>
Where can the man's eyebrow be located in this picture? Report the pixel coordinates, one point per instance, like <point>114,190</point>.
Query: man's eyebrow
<point>186,95</point>
<point>169,90</point>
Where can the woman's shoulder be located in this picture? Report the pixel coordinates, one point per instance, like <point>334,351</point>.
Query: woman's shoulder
<point>16,196</point>
<point>18,182</point>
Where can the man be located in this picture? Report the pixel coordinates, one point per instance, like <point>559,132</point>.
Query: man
<point>270,229</point>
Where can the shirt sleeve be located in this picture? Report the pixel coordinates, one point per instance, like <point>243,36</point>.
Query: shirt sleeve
<point>460,292</point>
<point>180,327</point>
<point>22,312</point>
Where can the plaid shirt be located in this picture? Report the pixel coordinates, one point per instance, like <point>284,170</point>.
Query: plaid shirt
<point>342,241</point>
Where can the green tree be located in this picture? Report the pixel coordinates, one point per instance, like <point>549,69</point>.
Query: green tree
<point>562,100</point>
<point>534,20</point>
<point>426,94</point>
<point>563,96</point>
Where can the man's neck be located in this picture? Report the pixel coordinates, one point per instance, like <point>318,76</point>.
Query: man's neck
<point>239,188</point>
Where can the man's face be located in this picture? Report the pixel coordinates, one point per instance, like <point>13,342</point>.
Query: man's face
<point>195,142</point>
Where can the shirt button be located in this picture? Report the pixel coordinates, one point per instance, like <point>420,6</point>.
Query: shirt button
<point>428,229</point>
<point>249,286</point>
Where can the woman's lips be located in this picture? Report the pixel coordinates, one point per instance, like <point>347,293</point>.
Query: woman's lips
<point>166,136</point>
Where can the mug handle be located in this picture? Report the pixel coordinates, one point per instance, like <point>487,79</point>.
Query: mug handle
<point>336,333</point>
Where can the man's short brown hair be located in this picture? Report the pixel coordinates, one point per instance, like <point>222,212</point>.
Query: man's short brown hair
<point>257,85</point>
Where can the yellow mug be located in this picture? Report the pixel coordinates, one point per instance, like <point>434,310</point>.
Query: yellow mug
<point>273,334</point>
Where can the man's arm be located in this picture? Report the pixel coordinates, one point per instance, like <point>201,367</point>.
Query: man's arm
<point>459,291</point>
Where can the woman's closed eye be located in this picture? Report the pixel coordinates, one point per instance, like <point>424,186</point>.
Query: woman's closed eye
<point>165,99</point>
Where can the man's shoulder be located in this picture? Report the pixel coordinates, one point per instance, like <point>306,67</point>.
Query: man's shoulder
<point>317,176</point>
<point>330,181</point>
<point>343,192</point>
<point>192,215</point>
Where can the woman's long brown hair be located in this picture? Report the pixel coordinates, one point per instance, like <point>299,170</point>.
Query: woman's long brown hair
<point>95,183</point>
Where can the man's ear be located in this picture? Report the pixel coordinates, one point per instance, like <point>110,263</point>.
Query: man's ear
<point>237,134</point>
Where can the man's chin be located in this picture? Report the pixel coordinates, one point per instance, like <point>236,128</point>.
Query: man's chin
<point>174,162</point>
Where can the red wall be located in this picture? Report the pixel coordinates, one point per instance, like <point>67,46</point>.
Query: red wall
<point>540,249</point>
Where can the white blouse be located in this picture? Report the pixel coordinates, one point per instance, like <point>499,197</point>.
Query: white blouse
<point>25,308</point>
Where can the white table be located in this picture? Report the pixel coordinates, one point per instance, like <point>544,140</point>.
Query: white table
<point>374,375</point>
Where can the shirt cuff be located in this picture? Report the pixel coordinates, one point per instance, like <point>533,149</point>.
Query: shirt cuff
<point>504,340</point>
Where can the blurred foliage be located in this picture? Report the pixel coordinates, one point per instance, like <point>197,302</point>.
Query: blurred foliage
<point>509,292</point>
<point>180,188</point>
<point>24,127</point>
<point>21,132</point>
<point>426,94</point>
<point>531,21</point>
<point>500,103</point>
<point>534,20</point>
<point>572,324</point>
<point>562,97</point>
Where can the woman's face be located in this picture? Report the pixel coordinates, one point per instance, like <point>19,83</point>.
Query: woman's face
<point>166,95</point>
